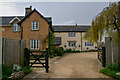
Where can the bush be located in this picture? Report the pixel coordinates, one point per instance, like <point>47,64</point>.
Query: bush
<point>113,67</point>
<point>59,51</point>
<point>62,48</point>
<point>68,50</point>
<point>6,71</point>
<point>110,73</point>
<point>111,70</point>
<point>26,69</point>
<point>51,56</point>
<point>72,51</point>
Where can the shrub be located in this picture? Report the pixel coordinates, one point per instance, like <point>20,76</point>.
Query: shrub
<point>59,51</point>
<point>51,56</point>
<point>72,51</point>
<point>111,70</point>
<point>68,50</point>
<point>113,67</point>
<point>6,71</point>
<point>26,69</point>
<point>110,73</point>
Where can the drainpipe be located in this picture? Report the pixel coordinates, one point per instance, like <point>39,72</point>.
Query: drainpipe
<point>20,44</point>
<point>50,26</point>
<point>21,32</point>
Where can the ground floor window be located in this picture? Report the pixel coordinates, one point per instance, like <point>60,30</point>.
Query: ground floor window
<point>34,44</point>
<point>89,44</point>
<point>72,44</point>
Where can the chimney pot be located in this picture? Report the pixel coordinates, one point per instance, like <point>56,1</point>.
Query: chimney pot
<point>75,24</point>
<point>28,10</point>
<point>31,7</point>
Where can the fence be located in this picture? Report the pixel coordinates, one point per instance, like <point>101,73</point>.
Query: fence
<point>112,51</point>
<point>13,51</point>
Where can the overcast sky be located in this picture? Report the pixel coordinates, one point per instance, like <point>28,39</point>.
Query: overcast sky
<point>61,12</point>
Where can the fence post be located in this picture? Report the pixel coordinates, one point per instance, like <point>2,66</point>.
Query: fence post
<point>26,57</point>
<point>98,53</point>
<point>103,57</point>
<point>46,60</point>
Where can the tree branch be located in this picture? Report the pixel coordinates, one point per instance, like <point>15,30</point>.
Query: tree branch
<point>115,19</point>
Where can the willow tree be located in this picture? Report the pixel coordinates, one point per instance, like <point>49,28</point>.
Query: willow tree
<point>106,22</point>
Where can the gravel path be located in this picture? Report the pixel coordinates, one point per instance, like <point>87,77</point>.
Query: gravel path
<point>76,65</point>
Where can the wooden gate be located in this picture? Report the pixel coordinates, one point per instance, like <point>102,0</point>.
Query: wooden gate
<point>36,59</point>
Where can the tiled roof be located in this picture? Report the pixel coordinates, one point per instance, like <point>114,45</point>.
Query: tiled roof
<point>57,41</point>
<point>49,19</point>
<point>71,28</point>
<point>6,19</point>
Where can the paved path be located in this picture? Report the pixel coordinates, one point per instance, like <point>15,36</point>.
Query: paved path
<point>76,65</point>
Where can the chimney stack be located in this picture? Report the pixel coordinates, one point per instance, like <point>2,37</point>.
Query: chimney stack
<point>75,24</point>
<point>28,10</point>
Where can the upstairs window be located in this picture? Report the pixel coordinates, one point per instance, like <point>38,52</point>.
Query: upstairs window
<point>71,34</point>
<point>16,27</point>
<point>34,44</point>
<point>35,25</point>
<point>89,44</point>
<point>72,44</point>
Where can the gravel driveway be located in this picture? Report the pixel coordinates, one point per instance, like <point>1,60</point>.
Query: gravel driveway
<point>74,65</point>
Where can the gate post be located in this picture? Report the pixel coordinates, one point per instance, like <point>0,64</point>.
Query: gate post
<point>26,57</point>
<point>46,60</point>
<point>98,53</point>
<point>103,57</point>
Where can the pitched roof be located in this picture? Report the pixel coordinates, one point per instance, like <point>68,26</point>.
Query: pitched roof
<point>57,41</point>
<point>70,28</point>
<point>47,19</point>
<point>6,19</point>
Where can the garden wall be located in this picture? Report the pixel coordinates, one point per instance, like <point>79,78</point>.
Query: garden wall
<point>13,51</point>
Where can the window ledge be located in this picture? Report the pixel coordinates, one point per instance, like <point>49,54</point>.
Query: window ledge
<point>16,31</point>
<point>35,30</point>
<point>34,49</point>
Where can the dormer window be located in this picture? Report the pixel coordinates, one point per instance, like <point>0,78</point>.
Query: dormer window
<point>35,25</point>
<point>16,27</point>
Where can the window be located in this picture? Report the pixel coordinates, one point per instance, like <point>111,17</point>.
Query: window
<point>35,25</point>
<point>89,44</point>
<point>71,44</point>
<point>16,27</point>
<point>71,34</point>
<point>34,44</point>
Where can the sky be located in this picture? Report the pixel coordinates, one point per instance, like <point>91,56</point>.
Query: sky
<point>65,13</point>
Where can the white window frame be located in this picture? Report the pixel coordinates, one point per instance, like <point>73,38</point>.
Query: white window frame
<point>89,44</point>
<point>16,28</point>
<point>34,44</point>
<point>71,34</point>
<point>70,44</point>
<point>34,26</point>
